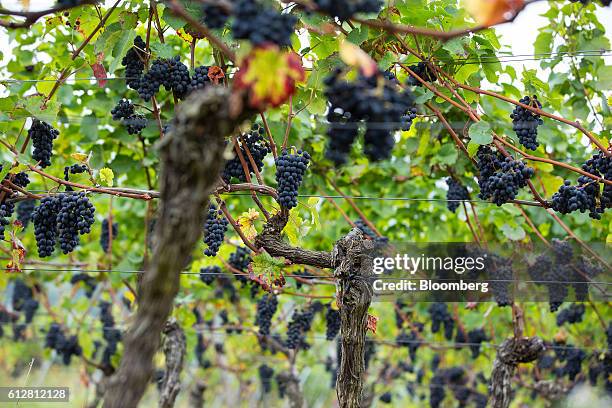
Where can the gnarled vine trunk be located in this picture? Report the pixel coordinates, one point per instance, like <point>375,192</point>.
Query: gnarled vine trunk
<point>292,389</point>
<point>191,159</point>
<point>174,350</point>
<point>353,261</point>
<point>511,352</point>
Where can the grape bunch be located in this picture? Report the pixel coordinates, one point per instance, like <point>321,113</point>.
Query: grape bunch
<point>23,300</point>
<point>342,132</point>
<point>290,169</point>
<point>332,323</point>
<point>64,346</point>
<point>500,178</point>
<point>455,192</point>
<point>573,358</point>
<point>587,194</point>
<point>74,169</point>
<point>571,198</point>
<point>583,272</point>
<point>553,276</point>
<point>240,260</point>
<point>377,103</point>
<point>215,227</point>
<point>572,314</point>
<point>300,324</point>
<point>410,341</point>
<point>89,282</point>
<point>134,63</point>
<point>260,24</point>
<point>62,217</point>
<point>501,276</point>
<point>209,274</point>
<point>111,334</point>
<point>75,217</point>
<point>171,73</point>
<point>6,212</point>
<point>386,398</point>
<point>266,307</point>
<point>24,212</point>
<point>125,112</point>
<point>258,148</point>
<point>105,234</point>
<point>423,71</point>
<point>438,312</point>
<point>214,15</point>
<point>475,338</point>
<point>20,179</point>
<point>265,375</point>
<point>199,78</point>
<point>525,123</point>
<point>44,218</point>
<point>359,223</point>
<point>345,9</point>
<point>42,135</point>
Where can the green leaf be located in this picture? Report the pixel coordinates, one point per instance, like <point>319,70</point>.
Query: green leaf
<point>447,154</point>
<point>513,233</point>
<point>89,127</point>
<point>466,71</point>
<point>358,35</point>
<point>162,50</point>
<point>423,95</point>
<point>123,44</point>
<point>543,43</point>
<point>264,264</point>
<point>172,20</point>
<point>604,74</point>
<point>480,133</point>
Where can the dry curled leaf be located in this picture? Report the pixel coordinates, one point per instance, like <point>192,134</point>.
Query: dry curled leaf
<point>372,323</point>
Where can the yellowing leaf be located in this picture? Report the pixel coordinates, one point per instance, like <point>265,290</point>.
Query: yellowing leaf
<point>129,296</point>
<point>246,222</point>
<point>490,12</point>
<point>187,37</point>
<point>269,76</point>
<point>356,57</point>
<point>107,176</point>
<point>80,157</point>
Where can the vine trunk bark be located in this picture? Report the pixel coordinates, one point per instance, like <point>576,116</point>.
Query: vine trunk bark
<point>174,350</point>
<point>352,258</point>
<point>511,352</point>
<point>191,159</point>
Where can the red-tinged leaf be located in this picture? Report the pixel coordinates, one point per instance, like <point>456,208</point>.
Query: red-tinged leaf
<point>18,254</point>
<point>372,323</point>
<point>269,75</point>
<point>99,72</point>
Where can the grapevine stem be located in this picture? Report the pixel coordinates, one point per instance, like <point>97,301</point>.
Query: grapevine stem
<point>269,133</point>
<point>235,225</point>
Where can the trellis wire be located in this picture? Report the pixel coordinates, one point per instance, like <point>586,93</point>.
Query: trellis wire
<point>136,272</point>
<point>486,59</point>
<point>214,331</point>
